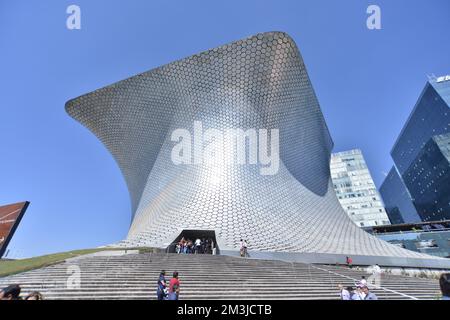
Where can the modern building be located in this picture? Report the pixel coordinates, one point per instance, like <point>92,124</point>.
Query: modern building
<point>428,178</point>
<point>420,153</point>
<point>356,190</point>
<point>397,200</point>
<point>425,237</point>
<point>258,83</point>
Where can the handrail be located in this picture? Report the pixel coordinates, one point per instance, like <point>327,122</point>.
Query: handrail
<point>410,231</point>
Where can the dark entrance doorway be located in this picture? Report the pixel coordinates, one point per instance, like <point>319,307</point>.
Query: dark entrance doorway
<point>208,238</point>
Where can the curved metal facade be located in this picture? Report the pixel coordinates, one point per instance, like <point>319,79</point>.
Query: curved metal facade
<point>258,82</point>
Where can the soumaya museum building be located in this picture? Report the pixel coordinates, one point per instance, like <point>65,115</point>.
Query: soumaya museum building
<point>258,83</point>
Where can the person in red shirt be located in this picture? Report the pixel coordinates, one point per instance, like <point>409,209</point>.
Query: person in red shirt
<point>174,287</point>
<point>349,262</point>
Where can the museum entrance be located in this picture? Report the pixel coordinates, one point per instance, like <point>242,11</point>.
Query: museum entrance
<point>195,242</point>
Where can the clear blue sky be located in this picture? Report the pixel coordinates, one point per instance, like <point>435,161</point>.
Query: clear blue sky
<point>367,83</point>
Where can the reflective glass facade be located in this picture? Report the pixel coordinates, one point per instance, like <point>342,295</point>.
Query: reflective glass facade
<point>433,243</point>
<point>425,237</point>
<point>430,117</point>
<point>421,157</point>
<point>397,200</point>
<point>356,190</point>
<point>428,179</point>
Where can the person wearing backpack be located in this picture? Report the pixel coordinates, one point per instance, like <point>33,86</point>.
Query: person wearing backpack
<point>161,291</point>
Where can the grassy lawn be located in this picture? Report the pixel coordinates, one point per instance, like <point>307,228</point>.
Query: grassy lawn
<point>9,267</point>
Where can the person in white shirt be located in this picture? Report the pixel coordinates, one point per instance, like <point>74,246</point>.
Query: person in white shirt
<point>198,244</point>
<point>243,248</point>
<point>213,248</point>
<point>344,293</point>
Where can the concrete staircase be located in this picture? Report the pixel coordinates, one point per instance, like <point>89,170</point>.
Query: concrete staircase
<point>134,276</point>
<point>419,288</point>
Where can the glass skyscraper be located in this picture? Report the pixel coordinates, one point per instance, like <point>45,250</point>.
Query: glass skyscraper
<point>356,190</point>
<point>428,178</point>
<point>397,200</point>
<point>430,117</point>
<point>421,156</point>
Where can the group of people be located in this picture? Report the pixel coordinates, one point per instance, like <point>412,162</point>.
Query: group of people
<point>12,292</point>
<point>172,292</point>
<point>243,248</point>
<point>168,293</point>
<point>199,246</point>
<point>361,292</point>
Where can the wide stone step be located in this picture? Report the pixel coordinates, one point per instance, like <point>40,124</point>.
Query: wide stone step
<point>134,276</point>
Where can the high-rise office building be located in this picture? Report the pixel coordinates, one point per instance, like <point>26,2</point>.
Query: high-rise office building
<point>428,178</point>
<point>356,190</point>
<point>421,153</point>
<point>397,200</point>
